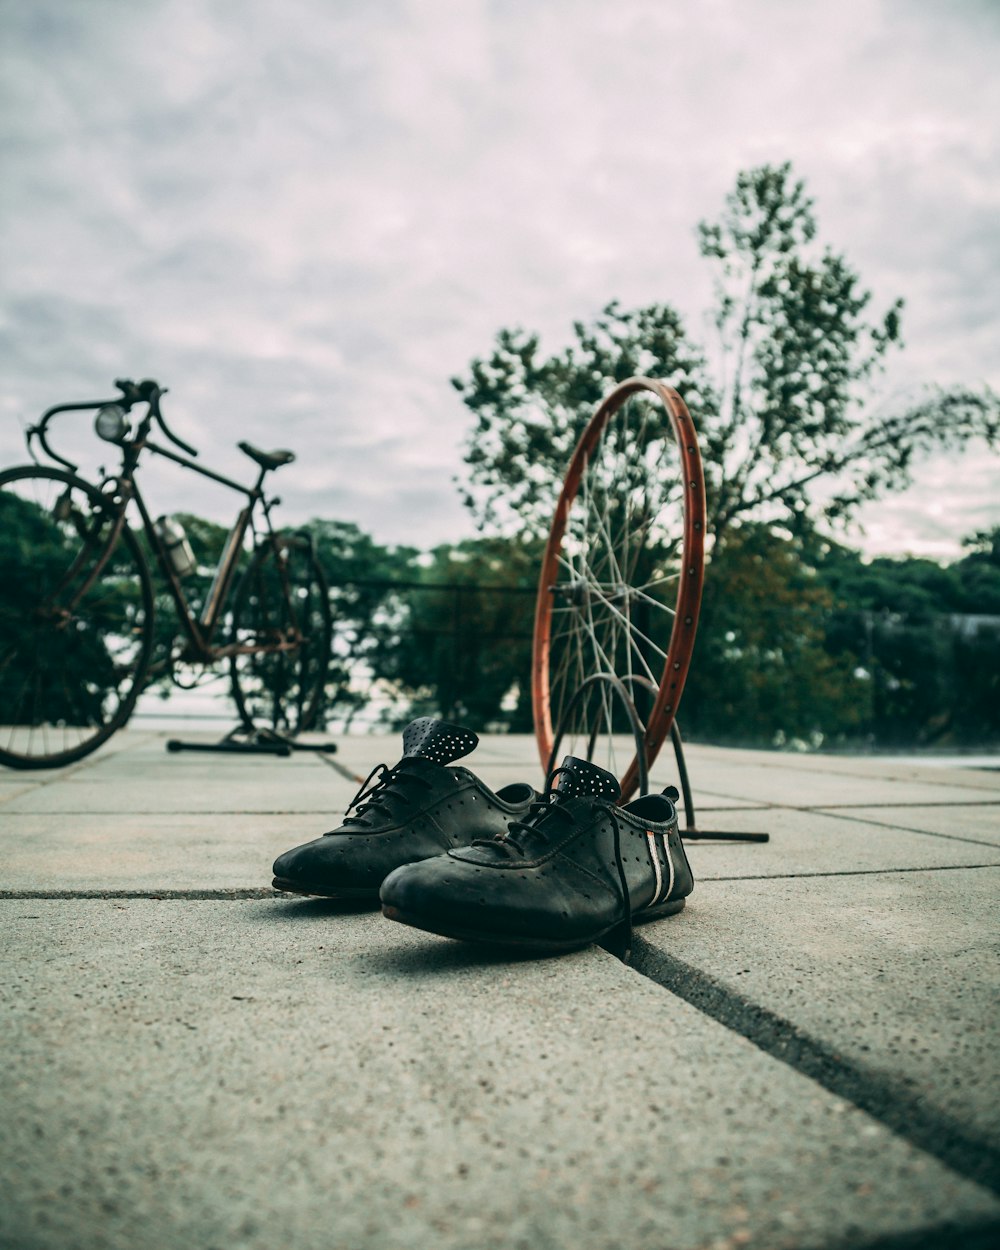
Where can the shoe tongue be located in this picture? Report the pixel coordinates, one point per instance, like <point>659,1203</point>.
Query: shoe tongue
<point>437,740</point>
<point>582,779</point>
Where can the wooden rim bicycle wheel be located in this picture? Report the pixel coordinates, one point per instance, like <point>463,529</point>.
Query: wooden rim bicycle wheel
<point>621,578</point>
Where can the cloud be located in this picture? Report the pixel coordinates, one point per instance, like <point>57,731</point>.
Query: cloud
<point>304,218</point>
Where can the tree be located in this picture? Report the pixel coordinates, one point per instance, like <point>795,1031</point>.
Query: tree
<point>363,577</point>
<point>74,662</point>
<point>530,410</point>
<point>788,411</point>
<point>764,673</point>
<point>461,648</point>
<point>979,573</point>
<point>927,639</point>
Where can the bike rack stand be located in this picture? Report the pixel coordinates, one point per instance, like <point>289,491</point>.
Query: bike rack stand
<point>692,831</point>
<point>249,739</point>
<point>617,688</point>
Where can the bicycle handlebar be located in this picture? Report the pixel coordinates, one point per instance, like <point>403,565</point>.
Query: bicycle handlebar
<point>146,391</point>
<point>149,392</point>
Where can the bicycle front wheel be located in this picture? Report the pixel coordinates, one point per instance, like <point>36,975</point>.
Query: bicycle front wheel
<point>281,630</point>
<point>76,618</point>
<point>620,585</point>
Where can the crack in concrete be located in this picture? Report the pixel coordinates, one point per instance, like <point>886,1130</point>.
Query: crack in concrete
<point>239,893</point>
<point>848,872</point>
<point>927,833</point>
<point>223,895</point>
<point>884,1099</point>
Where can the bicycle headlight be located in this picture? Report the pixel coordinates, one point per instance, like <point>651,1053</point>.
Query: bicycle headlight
<point>111,423</point>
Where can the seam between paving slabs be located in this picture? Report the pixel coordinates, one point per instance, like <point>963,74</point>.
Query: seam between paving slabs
<point>342,769</point>
<point>884,1099</point>
<point>181,811</point>
<point>848,872</point>
<point>834,807</point>
<point>241,893</point>
<point>32,778</point>
<point>927,833</point>
<point>839,813</point>
<point>237,894</point>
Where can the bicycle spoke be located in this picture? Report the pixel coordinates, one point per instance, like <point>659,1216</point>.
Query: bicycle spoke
<point>282,616</point>
<point>615,558</point>
<point>74,620</point>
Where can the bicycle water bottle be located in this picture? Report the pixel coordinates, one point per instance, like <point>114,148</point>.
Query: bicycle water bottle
<point>174,537</point>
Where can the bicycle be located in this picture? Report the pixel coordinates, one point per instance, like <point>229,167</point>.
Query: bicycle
<point>77,609</point>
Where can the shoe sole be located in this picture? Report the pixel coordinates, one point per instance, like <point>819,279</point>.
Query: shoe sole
<point>294,887</point>
<point>442,929</point>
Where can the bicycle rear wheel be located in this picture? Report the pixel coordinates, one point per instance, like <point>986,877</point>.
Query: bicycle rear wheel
<point>76,618</point>
<point>620,586</point>
<point>282,628</point>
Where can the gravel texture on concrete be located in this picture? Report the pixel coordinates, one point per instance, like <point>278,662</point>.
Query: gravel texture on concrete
<point>259,1074</point>
<point>803,1058</point>
<point>900,973</point>
<point>978,822</point>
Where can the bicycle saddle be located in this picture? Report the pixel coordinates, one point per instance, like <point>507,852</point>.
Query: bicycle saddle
<point>267,459</point>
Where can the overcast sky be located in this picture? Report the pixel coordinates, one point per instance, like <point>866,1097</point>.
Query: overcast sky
<point>304,217</point>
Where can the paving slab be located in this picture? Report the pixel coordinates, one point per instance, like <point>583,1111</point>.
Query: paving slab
<point>61,845</point>
<point>898,973</point>
<point>10,789</point>
<point>239,789</point>
<point>969,820</point>
<point>256,1074</point>
<point>810,843</point>
<point>809,790</point>
<point>570,1102</point>
<point>976,771</point>
<point>149,852</point>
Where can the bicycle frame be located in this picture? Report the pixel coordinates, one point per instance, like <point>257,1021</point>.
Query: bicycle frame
<point>198,630</point>
<point>80,641</point>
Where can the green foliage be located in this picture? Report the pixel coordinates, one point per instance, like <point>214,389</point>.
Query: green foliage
<point>800,638</point>
<point>70,614</point>
<point>787,411</point>
<point>761,672</point>
<point>462,647</point>
<point>530,409</point>
<point>361,575</point>
<point>928,641</point>
<point>979,573</point>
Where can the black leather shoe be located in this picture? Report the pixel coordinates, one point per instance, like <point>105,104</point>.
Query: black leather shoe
<point>414,810</point>
<point>576,870</point>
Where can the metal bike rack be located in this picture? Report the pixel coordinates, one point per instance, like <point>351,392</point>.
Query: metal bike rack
<point>248,739</point>
<point>692,831</point>
<point>617,687</point>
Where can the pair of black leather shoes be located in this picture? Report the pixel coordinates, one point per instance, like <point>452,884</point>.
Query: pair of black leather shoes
<point>546,872</point>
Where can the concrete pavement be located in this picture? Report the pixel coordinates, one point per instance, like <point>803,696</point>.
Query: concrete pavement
<point>805,1057</point>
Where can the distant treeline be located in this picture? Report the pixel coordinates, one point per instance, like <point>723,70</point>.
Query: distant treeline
<point>800,641</point>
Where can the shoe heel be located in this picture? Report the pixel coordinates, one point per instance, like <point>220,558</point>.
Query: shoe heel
<point>670,907</point>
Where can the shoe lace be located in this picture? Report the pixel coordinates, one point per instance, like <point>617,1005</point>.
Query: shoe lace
<point>377,789</point>
<point>551,803</point>
<point>547,804</point>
